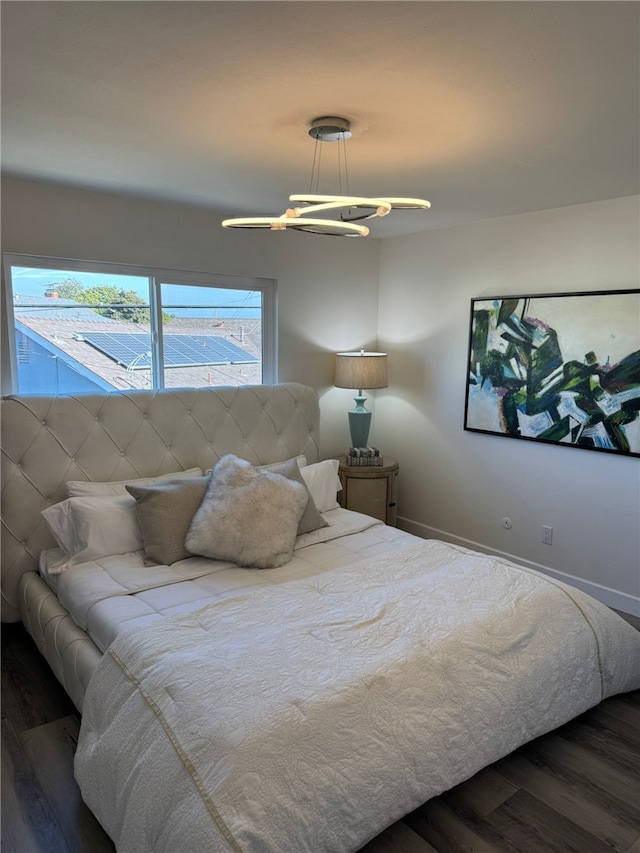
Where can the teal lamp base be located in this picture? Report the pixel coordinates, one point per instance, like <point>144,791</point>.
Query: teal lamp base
<point>359,423</point>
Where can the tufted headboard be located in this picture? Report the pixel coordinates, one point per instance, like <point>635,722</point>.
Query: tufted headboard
<point>49,440</point>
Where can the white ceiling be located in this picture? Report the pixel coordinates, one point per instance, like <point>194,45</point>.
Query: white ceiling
<point>485,108</point>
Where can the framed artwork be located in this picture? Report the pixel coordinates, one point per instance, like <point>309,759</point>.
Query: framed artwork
<point>561,368</point>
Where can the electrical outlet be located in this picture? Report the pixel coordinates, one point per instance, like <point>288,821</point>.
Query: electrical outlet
<point>547,534</point>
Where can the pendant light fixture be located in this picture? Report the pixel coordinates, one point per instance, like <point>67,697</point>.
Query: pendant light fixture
<point>349,210</point>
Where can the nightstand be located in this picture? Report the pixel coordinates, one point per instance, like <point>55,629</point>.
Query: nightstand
<point>370,489</point>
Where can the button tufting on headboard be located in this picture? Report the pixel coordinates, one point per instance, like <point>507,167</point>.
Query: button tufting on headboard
<point>47,441</point>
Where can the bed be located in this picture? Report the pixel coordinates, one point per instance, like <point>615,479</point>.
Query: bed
<point>302,706</point>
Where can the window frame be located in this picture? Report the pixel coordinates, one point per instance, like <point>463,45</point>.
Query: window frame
<point>157,277</point>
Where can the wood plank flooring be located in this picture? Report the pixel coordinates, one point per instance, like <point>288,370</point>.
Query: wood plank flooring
<point>575,790</point>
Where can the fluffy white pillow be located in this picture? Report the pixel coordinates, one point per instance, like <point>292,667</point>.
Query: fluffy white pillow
<point>77,488</point>
<point>301,460</point>
<point>248,516</point>
<point>323,482</point>
<point>87,528</point>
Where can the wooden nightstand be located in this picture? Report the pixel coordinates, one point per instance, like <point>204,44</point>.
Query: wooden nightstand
<point>371,490</point>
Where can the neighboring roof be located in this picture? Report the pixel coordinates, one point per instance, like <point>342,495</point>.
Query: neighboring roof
<point>63,334</point>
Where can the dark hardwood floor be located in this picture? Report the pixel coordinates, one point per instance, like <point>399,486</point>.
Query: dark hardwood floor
<point>575,789</point>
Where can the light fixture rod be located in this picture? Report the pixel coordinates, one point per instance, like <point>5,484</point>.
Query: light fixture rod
<point>315,168</point>
<point>340,167</point>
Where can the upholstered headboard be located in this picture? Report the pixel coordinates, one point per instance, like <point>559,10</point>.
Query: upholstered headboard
<point>49,440</point>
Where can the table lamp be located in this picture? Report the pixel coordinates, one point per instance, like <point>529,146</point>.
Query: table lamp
<point>360,370</point>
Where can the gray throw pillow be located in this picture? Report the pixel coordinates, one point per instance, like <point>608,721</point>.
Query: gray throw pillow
<point>248,516</point>
<point>164,511</point>
<point>311,518</point>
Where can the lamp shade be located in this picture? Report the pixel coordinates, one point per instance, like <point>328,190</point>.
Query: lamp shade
<point>361,370</point>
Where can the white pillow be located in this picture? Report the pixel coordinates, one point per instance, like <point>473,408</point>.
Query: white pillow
<point>77,488</point>
<point>301,460</point>
<point>248,516</point>
<point>323,482</point>
<point>87,528</point>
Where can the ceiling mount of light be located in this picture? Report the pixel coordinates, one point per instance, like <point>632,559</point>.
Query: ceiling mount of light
<point>349,209</point>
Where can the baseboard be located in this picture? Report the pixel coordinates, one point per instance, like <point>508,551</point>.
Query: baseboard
<point>611,597</point>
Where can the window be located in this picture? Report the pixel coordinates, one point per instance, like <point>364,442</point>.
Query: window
<point>86,326</point>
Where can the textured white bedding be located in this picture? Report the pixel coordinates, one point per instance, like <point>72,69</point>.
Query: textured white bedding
<point>105,596</point>
<point>307,716</point>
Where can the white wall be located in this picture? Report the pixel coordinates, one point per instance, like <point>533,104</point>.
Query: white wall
<point>452,483</point>
<point>327,288</point>
<point>461,484</point>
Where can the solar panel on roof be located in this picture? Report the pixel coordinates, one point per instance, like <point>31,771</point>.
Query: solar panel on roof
<point>134,351</point>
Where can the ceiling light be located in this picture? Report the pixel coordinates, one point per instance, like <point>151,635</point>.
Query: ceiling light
<point>349,209</point>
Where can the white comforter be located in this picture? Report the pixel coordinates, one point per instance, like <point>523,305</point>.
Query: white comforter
<point>308,716</point>
<point>107,596</point>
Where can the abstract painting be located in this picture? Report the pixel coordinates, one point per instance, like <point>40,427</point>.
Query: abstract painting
<point>561,368</point>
